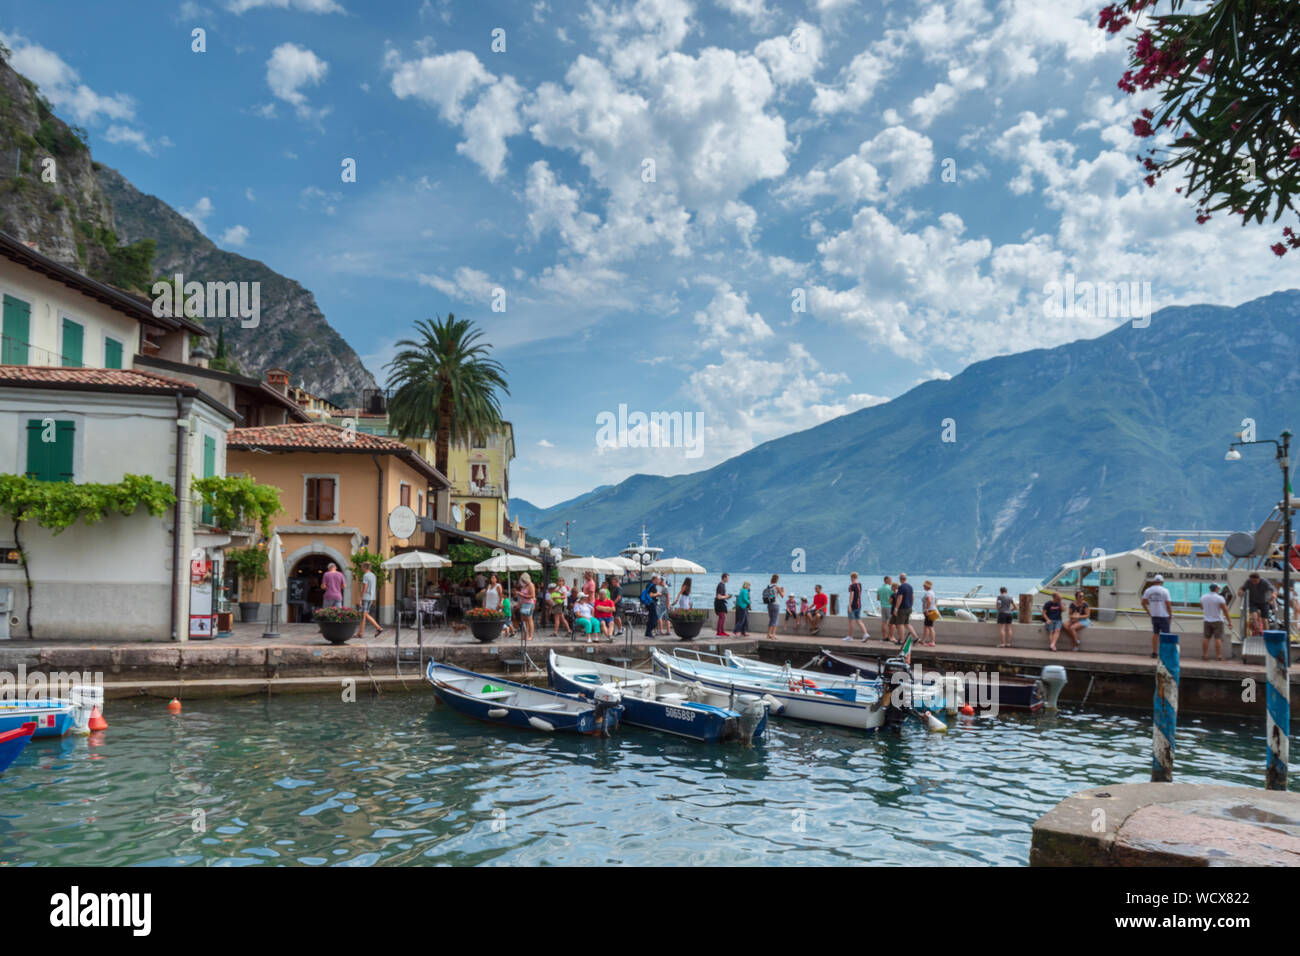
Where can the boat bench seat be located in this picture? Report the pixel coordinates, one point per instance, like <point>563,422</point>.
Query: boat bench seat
<point>546,707</point>
<point>497,695</point>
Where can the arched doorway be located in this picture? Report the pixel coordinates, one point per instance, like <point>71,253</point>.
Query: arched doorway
<point>306,594</point>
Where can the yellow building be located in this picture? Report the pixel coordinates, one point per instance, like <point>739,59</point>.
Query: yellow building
<point>479,473</point>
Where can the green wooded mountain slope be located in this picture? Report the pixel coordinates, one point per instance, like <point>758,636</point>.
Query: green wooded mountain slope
<point>1058,451</point>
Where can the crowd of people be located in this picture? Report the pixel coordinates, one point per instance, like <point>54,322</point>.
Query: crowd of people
<point>599,611</point>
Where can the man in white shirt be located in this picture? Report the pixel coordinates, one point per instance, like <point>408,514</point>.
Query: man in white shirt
<point>369,593</point>
<point>1214,615</point>
<point>1157,603</point>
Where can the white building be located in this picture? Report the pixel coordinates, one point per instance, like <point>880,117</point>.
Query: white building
<point>72,408</point>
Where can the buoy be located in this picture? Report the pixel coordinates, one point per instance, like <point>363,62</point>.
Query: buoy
<point>774,705</point>
<point>174,707</point>
<point>967,710</point>
<point>97,721</point>
<point>935,724</point>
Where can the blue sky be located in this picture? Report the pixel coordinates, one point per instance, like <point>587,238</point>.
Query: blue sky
<point>913,173</point>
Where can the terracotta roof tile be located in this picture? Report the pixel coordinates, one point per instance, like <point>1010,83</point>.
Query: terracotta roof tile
<point>320,437</point>
<point>124,379</point>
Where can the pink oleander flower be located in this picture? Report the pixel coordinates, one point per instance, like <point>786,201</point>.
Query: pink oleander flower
<point>1278,249</point>
<point>1142,128</point>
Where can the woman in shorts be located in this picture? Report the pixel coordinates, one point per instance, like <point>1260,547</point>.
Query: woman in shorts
<point>1005,606</point>
<point>930,613</point>
<point>1080,618</point>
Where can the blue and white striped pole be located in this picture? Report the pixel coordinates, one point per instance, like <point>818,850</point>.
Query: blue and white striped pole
<point>1278,708</point>
<point>1166,710</point>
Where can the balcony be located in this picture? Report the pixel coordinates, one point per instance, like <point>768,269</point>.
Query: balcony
<point>479,491</point>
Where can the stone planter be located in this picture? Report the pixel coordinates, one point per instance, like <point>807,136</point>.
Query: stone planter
<point>486,631</point>
<point>249,611</point>
<point>337,632</point>
<point>685,629</point>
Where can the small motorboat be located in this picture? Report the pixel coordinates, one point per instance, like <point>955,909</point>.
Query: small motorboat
<point>656,703</point>
<point>843,703</point>
<point>53,717</point>
<point>13,741</point>
<point>1012,693</point>
<point>502,701</point>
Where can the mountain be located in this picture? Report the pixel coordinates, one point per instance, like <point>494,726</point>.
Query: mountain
<point>92,219</point>
<point>525,512</point>
<point>1056,452</point>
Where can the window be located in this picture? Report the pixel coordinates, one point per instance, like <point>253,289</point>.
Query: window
<point>419,497</point>
<point>478,440</point>
<point>320,503</point>
<point>478,474</point>
<point>471,517</point>
<point>17,328</point>
<point>1067,578</point>
<point>74,334</point>
<point>112,353</point>
<point>209,469</point>
<point>50,449</point>
<point>404,494</point>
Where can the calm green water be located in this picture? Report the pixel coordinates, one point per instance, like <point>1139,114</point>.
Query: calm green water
<point>398,779</point>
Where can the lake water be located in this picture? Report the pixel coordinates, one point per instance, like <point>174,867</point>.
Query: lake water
<point>315,781</point>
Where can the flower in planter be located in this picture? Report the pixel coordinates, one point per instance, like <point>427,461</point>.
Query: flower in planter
<point>337,615</point>
<point>683,615</point>
<point>484,614</point>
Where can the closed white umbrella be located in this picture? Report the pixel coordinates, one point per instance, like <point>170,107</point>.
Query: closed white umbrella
<point>279,580</point>
<point>676,566</point>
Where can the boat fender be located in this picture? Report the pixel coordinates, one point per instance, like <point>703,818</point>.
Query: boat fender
<point>497,712</point>
<point>773,704</point>
<point>964,615</point>
<point>540,724</point>
<point>935,724</point>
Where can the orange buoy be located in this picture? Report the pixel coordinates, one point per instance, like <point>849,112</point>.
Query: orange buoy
<point>174,707</point>
<point>97,721</point>
<point>967,710</point>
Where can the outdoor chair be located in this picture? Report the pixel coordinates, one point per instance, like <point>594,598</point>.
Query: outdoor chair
<point>406,610</point>
<point>439,611</point>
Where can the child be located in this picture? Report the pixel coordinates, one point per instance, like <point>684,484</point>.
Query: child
<point>791,612</point>
<point>508,630</point>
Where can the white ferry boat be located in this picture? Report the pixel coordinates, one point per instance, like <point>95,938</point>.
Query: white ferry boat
<point>1189,562</point>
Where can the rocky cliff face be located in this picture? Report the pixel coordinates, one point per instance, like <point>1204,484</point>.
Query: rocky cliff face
<point>91,218</point>
<point>49,194</point>
<point>292,332</point>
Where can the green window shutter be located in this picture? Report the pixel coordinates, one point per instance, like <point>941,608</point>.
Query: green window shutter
<point>209,469</point>
<point>112,353</point>
<point>73,335</point>
<point>17,331</point>
<point>50,460</point>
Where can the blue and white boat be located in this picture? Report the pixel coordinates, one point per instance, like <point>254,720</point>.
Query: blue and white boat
<point>13,742</point>
<point>657,703</point>
<point>842,703</point>
<point>502,701</point>
<point>922,696</point>
<point>53,718</point>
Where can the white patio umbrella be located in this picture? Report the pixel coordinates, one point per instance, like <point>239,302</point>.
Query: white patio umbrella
<point>413,561</point>
<point>279,580</point>
<point>593,564</point>
<point>627,564</point>
<point>676,566</point>
<point>508,563</point>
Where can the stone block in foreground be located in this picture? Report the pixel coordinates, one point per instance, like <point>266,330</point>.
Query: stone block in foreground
<point>1170,824</point>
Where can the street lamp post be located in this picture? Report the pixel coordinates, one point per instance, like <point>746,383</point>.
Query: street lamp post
<point>1279,687</point>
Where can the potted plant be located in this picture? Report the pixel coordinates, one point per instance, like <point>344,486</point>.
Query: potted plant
<point>337,624</point>
<point>250,566</point>
<point>485,623</point>
<point>686,624</point>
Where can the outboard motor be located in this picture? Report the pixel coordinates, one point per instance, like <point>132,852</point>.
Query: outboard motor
<point>896,681</point>
<point>1052,680</point>
<point>609,701</point>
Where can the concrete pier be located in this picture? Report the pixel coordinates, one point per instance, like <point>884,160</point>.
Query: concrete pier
<point>1170,824</point>
<point>1114,669</point>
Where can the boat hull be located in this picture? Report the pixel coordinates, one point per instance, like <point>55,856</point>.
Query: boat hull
<point>1013,693</point>
<point>589,719</point>
<point>689,719</point>
<point>803,704</point>
<point>13,742</point>
<point>53,718</point>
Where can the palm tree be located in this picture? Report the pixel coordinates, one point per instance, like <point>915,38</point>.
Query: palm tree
<point>445,386</point>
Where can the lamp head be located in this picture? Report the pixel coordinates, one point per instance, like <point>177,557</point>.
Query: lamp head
<point>1232,455</point>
